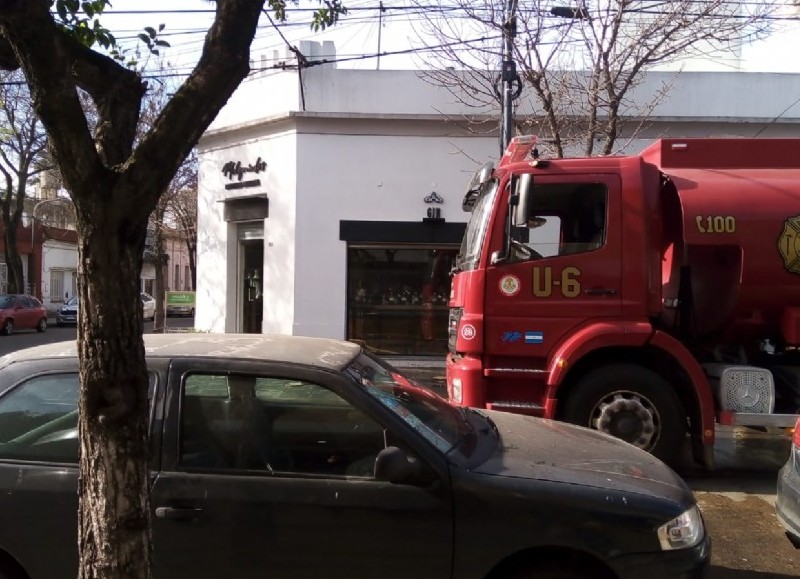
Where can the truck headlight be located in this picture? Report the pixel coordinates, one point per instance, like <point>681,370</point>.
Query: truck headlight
<point>455,390</point>
<point>682,532</point>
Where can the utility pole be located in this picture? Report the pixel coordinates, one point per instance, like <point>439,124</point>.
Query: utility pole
<point>380,27</point>
<point>512,85</point>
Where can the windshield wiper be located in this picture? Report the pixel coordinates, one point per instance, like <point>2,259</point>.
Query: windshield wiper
<point>488,420</point>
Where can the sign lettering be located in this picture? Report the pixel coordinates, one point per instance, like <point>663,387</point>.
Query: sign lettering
<point>235,169</point>
<point>568,283</point>
<point>716,223</point>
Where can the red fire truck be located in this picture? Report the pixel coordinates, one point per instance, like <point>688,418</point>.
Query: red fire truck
<point>649,296</point>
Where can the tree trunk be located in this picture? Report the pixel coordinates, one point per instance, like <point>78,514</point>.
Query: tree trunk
<point>192,247</point>
<point>113,528</point>
<point>159,262</point>
<point>16,283</point>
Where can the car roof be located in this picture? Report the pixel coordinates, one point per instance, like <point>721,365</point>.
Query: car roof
<point>320,352</point>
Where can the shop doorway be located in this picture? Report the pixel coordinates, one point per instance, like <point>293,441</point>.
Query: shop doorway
<point>251,276</point>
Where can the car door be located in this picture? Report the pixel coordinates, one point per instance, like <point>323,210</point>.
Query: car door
<point>24,314</point>
<point>39,466</point>
<point>296,500</point>
<point>39,474</point>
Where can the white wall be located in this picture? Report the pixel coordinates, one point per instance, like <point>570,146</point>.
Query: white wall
<point>217,246</point>
<point>729,96</point>
<point>57,255</point>
<point>367,178</point>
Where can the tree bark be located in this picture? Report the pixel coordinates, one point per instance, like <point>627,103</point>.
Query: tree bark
<point>13,261</point>
<point>113,531</point>
<point>115,187</point>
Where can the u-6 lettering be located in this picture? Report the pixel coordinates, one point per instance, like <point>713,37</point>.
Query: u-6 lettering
<point>569,283</point>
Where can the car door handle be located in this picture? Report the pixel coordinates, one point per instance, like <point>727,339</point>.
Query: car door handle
<point>600,291</point>
<point>177,514</point>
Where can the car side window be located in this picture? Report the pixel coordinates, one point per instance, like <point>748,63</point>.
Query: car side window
<point>248,423</point>
<point>39,419</point>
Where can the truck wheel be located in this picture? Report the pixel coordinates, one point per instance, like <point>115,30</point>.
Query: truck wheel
<point>631,403</point>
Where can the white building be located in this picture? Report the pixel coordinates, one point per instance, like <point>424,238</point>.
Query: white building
<point>314,196</point>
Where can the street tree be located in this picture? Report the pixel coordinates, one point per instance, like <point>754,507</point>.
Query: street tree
<point>176,209</point>
<point>23,158</point>
<point>182,210</point>
<point>578,64</point>
<point>115,181</point>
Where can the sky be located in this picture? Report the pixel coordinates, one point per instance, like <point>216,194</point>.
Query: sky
<point>366,31</point>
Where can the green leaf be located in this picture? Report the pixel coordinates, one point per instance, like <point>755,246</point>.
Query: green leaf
<point>163,43</point>
<point>144,38</point>
<point>151,31</point>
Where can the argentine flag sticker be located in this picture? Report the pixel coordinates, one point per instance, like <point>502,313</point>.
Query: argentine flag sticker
<point>534,337</point>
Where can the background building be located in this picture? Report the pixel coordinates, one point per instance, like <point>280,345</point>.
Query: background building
<point>330,202</point>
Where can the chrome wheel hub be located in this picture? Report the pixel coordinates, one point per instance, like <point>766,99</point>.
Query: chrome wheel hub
<point>629,416</point>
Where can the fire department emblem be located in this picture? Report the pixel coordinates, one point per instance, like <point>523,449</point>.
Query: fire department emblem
<point>789,244</point>
<point>509,285</point>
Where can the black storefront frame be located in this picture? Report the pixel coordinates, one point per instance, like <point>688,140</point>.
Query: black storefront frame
<point>428,234</point>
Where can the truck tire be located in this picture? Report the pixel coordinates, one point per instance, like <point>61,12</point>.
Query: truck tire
<point>631,403</point>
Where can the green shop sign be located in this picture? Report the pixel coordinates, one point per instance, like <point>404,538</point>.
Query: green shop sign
<point>179,298</point>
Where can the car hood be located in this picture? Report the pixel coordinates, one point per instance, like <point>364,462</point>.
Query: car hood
<point>536,448</point>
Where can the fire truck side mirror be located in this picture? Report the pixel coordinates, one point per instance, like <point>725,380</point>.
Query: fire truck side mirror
<point>523,194</point>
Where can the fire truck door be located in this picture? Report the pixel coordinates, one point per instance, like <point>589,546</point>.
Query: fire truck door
<point>564,267</point>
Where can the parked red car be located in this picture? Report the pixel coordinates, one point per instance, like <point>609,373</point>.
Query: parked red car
<point>19,311</point>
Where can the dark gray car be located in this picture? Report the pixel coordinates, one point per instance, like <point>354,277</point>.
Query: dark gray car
<point>299,457</point>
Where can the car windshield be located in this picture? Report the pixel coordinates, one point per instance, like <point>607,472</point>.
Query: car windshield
<point>73,301</point>
<point>434,418</point>
<point>476,228</point>
<point>6,301</point>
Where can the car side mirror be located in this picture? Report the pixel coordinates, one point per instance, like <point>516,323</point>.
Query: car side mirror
<point>393,465</point>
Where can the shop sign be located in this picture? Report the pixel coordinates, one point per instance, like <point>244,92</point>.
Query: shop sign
<point>235,171</point>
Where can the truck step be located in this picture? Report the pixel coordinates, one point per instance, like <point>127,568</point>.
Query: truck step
<point>527,408</point>
<point>751,419</point>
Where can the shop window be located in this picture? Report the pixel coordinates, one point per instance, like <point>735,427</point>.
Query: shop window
<point>397,298</point>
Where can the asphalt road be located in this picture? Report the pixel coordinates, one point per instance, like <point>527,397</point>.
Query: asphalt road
<point>26,338</point>
<point>737,499</point>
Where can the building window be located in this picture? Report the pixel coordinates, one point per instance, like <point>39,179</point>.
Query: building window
<point>397,297</point>
<point>186,278</point>
<point>56,286</point>
<point>176,281</point>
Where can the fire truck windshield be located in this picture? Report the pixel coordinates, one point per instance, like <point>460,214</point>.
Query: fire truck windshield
<point>476,228</point>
